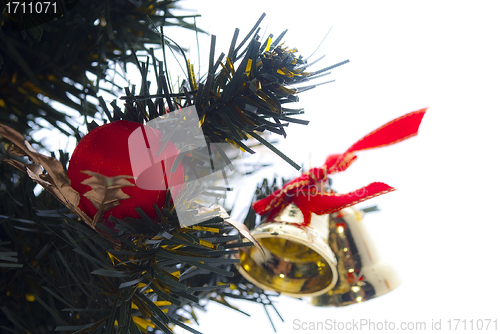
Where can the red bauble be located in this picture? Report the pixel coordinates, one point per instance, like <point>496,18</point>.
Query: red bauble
<point>126,148</point>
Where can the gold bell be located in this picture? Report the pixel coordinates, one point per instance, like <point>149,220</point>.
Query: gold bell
<point>298,260</point>
<point>362,273</point>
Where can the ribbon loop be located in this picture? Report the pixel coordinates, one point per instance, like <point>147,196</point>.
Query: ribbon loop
<point>303,191</point>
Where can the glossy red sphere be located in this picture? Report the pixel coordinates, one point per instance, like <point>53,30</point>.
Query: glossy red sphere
<point>125,148</point>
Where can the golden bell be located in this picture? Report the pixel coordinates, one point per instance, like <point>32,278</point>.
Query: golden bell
<point>362,273</point>
<point>298,260</point>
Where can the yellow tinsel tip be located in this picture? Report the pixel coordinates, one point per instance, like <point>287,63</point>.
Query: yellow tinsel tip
<point>229,65</point>
<point>29,297</point>
<point>113,258</point>
<point>249,67</point>
<point>143,324</point>
<point>268,46</point>
<point>192,77</point>
<point>162,303</point>
<point>234,143</point>
<point>202,120</point>
<point>204,228</point>
<point>207,244</point>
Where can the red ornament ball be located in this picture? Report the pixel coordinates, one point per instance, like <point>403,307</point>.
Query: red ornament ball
<point>126,148</point>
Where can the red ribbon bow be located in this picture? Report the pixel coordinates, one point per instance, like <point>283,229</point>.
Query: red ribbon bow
<point>309,197</point>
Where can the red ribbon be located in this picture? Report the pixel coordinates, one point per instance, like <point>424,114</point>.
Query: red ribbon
<point>307,191</point>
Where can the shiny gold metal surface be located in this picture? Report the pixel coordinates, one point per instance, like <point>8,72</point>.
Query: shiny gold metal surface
<point>362,273</point>
<point>298,261</point>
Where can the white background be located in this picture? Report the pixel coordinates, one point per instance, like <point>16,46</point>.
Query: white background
<point>440,229</point>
